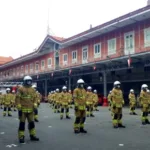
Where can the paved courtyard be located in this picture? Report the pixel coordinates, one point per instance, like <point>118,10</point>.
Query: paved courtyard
<point>56,134</point>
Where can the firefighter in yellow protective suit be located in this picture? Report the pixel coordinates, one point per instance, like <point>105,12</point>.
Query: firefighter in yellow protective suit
<point>39,98</point>
<point>109,100</point>
<point>132,102</point>
<point>70,98</point>
<point>64,103</point>
<point>79,95</point>
<point>26,102</point>
<point>95,100</point>
<point>36,109</point>
<point>7,102</point>
<point>53,101</point>
<point>144,100</point>
<point>117,104</point>
<point>89,102</point>
<point>1,100</point>
<point>13,100</point>
<point>148,91</point>
<point>57,98</point>
<point>50,99</point>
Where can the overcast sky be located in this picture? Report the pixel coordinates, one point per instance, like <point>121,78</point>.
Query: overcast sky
<point>23,23</point>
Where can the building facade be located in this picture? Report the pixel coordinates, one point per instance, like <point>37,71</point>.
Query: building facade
<point>116,50</point>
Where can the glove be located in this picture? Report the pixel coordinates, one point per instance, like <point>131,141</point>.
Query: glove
<point>20,113</point>
<point>76,108</point>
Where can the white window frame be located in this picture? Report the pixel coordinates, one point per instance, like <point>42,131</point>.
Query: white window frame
<point>65,61</point>
<point>37,64</point>
<point>97,55</point>
<point>128,50</point>
<point>111,50</point>
<point>22,70</point>
<point>31,68</point>
<point>26,69</point>
<point>74,60</point>
<point>49,65</point>
<point>43,67</point>
<point>84,60</point>
<point>146,41</point>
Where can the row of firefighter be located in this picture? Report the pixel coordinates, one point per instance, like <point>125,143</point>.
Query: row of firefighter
<point>62,101</point>
<point>116,102</point>
<point>8,102</point>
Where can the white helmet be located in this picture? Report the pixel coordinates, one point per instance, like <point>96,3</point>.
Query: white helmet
<point>80,81</point>
<point>116,83</point>
<point>52,92</point>
<point>13,91</point>
<point>8,89</point>
<point>57,90</point>
<point>148,90</point>
<point>64,87</point>
<point>89,88</point>
<point>34,86</point>
<point>110,92</point>
<point>95,91</point>
<point>27,78</point>
<point>144,86</point>
<point>69,91</point>
<point>132,91</point>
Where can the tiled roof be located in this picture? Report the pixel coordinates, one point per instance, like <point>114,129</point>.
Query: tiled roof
<point>57,38</point>
<point>4,60</point>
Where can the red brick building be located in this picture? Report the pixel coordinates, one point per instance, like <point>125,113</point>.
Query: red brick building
<point>99,56</point>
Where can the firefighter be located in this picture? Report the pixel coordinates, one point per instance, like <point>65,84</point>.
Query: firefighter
<point>49,99</point>
<point>36,109</point>
<point>64,103</point>
<point>148,91</point>
<point>7,102</point>
<point>57,97</point>
<point>117,104</point>
<point>39,98</point>
<point>132,102</point>
<point>70,99</point>
<point>54,101</point>
<point>26,102</point>
<point>13,100</point>
<point>95,100</point>
<point>109,100</point>
<point>1,100</point>
<point>89,102</point>
<point>144,99</point>
<point>79,95</point>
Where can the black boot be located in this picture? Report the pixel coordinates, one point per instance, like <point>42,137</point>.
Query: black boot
<point>143,123</point>
<point>134,113</point>
<point>147,121</point>
<point>91,115</point>
<point>9,115</point>
<point>61,117</point>
<point>115,126</point>
<point>67,117</point>
<point>82,130</point>
<point>76,131</point>
<point>121,126</point>
<point>33,138</point>
<point>58,111</point>
<point>36,120</point>
<point>21,140</point>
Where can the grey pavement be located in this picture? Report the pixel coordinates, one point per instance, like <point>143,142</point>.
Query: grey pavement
<point>56,134</point>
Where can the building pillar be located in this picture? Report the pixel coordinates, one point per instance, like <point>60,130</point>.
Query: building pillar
<point>69,83</point>
<point>105,83</point>
<point>45,88</point>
